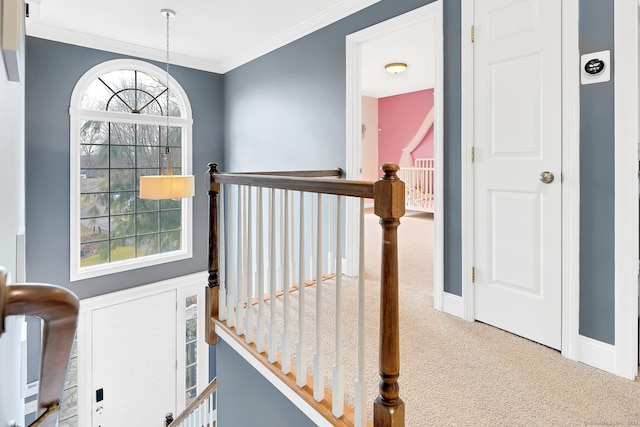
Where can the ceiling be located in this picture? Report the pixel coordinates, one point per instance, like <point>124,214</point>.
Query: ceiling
<point>220,36</point>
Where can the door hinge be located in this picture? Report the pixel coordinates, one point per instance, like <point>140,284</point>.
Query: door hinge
<point>473,275</point>
<point>473,33</point>
<point>473,154</point>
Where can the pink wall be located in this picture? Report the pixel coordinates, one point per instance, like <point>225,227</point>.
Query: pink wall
<point>370,165</point>
<point>399,117</point>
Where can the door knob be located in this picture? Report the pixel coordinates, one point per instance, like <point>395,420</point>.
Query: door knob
<point>546,177</point>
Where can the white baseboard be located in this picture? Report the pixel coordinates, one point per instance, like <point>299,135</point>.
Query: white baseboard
<point>300,403</point>
<point>452,304</point>
<point>596,353</point>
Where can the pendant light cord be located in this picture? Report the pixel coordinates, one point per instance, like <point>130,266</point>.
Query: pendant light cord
<point>167,154</point>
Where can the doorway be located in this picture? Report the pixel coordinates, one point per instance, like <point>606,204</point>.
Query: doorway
<point>427,19</point>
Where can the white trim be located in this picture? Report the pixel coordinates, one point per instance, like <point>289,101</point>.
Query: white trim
<point>76,114</point>
<point>287,391</point>
<point>429,13</point>
<point>626,187</point>
<point>596,353</point>
<point>84,346</point>
<point>452,304</point>
<point>326,17</point>
<point>466,166</point>
<point>570,178</point>
<point>570,172</point>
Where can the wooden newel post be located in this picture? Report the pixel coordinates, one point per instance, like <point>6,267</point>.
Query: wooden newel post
<point>389,194</point>
<point>212,292</point>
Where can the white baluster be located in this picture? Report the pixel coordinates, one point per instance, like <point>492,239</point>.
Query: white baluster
<point>338,369</point>
<point>231,317</point>
<point>222,295</point>
<point>260,283</point>
<point>312,246</point>
<point>329,240</point>
<point>273,345</point>
<point>241,261</point>
<point>360,407</point>
<point>318,367</point>
<point>301,361</point>
<point>249,243</point>
<point>286,280</point>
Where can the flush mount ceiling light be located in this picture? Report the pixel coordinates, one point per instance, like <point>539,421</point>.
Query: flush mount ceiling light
<point>167,186</point>
<point>395,67</point>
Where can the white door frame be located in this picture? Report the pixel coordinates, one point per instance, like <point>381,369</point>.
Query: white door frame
<point>431,12</point>
<point>622,358</point>
<point>570,172</point>
<point>626,187</point>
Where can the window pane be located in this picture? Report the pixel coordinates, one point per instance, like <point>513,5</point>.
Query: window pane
<point>122,203</point>
<point>192,329</point>
<point>170,241</point>
<point>122,249</point>
<point>94,253</point>
<point>96,96</point>
<point>122,133</point>
<point>149,157</point>
<point>170,203</point>
<point>146,205</point>
<point>191,355</point>
<point>123,180</point>
<point>175,137</point>
<point>191,379</point>
<point>149,135</point>
<point>122,156</point>
<point>94,229</point>
<point>94,156</point>
<point>94,180</point>
<point>94,205</point>
<point>148,245</point>
<point>93,132</point>
<point>122,226</point>
<point>147,223</point>
<point>170,220</point>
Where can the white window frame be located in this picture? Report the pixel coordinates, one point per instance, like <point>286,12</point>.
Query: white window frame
<point>78,114</point>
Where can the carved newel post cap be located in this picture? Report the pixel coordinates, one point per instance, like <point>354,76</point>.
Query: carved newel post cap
<point>390,171</point>
<point>389,193</point>
<point>213,167</point>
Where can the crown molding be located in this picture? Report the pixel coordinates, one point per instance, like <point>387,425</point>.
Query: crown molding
<point>323,19</point>
<point>326,17</point>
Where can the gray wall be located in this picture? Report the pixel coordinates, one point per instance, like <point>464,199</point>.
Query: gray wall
<point>52,72</point>
<point>597,180</point>
<point>286,110</point>
<point>246,398</point>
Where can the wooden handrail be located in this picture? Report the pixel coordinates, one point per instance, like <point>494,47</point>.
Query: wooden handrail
<point>58,308</point>
<point>208,391</point>
<point>297,181</point>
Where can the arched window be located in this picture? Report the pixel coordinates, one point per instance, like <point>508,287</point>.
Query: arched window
<point>119,133</point>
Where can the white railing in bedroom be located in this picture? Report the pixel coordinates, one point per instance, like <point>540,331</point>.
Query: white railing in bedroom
<point>419,185</point>
<point>276,286</point>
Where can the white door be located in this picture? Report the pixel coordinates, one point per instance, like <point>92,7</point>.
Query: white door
<point>134,361</point>
<point>517,137</point>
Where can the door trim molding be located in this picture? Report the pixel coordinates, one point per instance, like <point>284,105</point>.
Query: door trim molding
<point>432,11</point>
<point>570,178</point>
<point>626,187</point>
<point>570,172</point>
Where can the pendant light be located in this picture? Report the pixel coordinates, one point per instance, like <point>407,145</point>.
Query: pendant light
<point>167,186</point>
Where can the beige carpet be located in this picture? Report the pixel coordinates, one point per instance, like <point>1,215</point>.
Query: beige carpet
<point>457,373</point>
